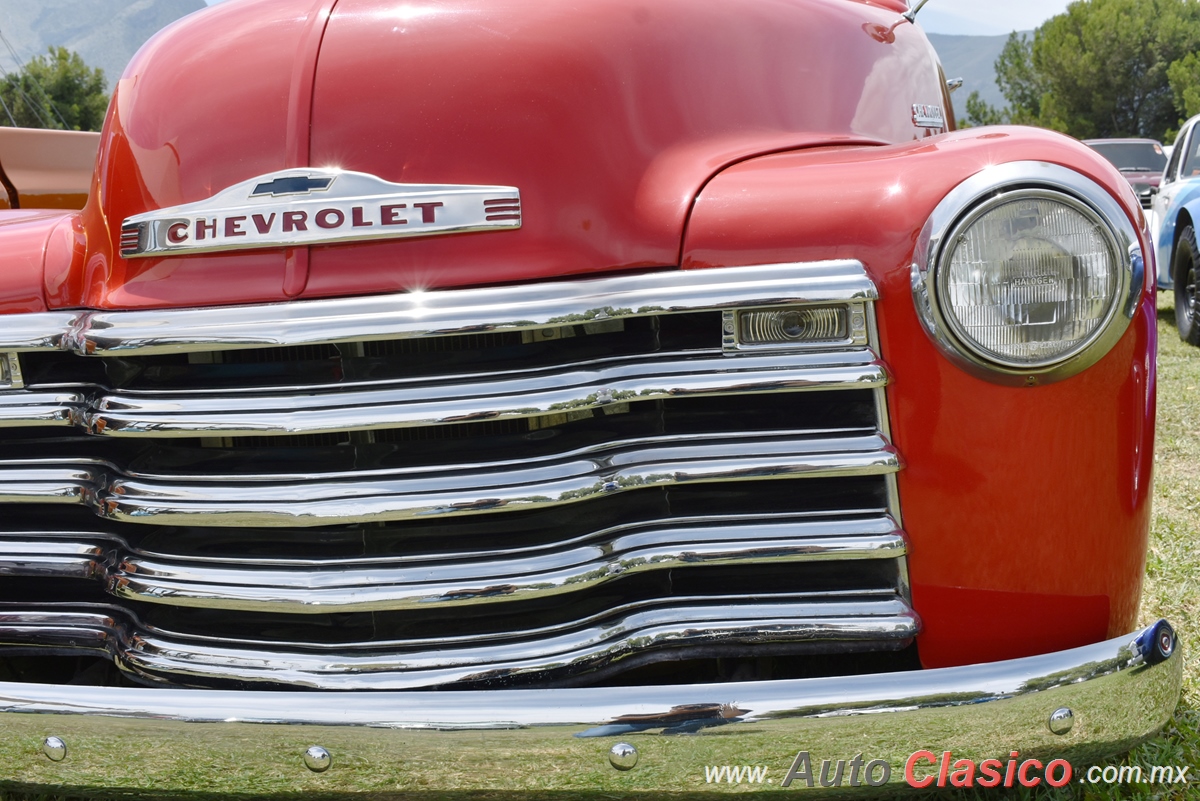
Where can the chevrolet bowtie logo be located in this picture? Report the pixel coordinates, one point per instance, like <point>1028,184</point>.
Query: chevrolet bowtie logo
<point>292,185</point>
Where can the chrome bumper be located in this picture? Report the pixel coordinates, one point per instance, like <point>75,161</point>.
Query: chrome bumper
<point>227,742</point>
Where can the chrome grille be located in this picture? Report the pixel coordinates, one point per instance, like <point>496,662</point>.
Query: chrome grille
<point>546,483</point>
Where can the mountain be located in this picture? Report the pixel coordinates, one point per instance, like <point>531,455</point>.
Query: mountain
<point>105,33</point>
<point>972,58</point>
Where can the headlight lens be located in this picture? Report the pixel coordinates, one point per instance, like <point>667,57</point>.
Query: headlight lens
<point>1029,278</point>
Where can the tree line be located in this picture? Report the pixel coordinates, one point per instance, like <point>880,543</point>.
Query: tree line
<point>1102,69</point>
<point>57,90</point>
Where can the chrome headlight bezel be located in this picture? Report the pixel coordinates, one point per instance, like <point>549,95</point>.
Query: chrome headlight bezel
<point>985,191</point>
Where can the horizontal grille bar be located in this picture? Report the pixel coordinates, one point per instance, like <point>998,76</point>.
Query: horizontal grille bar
<point>584,387</point>
<point>478,491</point>
<point>372,496</point>
<point>638,630</point>
<point>41,408</point>
<point>336,585</point>
<point>423,314</point>
<point>40,331</point>
<point>34,482</point>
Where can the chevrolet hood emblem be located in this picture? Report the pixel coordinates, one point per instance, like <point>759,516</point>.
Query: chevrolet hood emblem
<point>294,208</point>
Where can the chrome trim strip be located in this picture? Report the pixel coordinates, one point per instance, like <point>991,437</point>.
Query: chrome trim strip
<point>477,583</point>
<point>991,184</point>
<point>314,503</point>
<point>428,581</point>
<point>305,499</point>
<point>587,650</point>
<point>806,624</point>
<point>40,408</point>
<point>38,331</point>
<point>35,482</point>
<point>522,741</point>
<point>884,422</point>
<point>432,402</point>
<point>44,556</point>
<point>438,312</point>
<point>692,456</point>
<point>373,496</point>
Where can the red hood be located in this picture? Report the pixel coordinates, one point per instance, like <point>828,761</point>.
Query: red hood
<point>609,117</point>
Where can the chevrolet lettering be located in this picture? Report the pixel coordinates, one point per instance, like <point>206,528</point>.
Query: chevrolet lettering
<point>314,207</point>
<point>928,116</point>
<point>789,418</point>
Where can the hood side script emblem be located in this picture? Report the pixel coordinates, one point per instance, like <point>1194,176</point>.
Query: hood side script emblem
<point>311,206</point>
<point>925,115</point>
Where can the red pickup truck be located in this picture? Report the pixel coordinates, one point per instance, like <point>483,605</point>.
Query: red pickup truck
<point>449,395</point>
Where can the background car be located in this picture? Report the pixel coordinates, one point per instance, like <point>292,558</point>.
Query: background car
<point>1173,213</point>
<point>1141,161</point>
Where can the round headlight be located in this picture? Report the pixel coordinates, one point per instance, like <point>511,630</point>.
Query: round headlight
<point>1028,279</point>
<point>1027,272</point>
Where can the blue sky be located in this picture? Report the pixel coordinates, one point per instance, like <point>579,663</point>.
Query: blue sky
<point>977,17</point>
<point>987,17</point>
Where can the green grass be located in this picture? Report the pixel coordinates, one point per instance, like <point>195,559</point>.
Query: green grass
<point>1172,586</point>
<point>1171,590</point>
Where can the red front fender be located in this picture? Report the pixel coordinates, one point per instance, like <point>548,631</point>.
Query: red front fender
<point>1027,509</point>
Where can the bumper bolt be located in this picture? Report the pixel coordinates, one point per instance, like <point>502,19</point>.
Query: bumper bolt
<point>623,756</point>
<point>54,749</point>
<point>1061,720</point>
<point>317,759</point>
